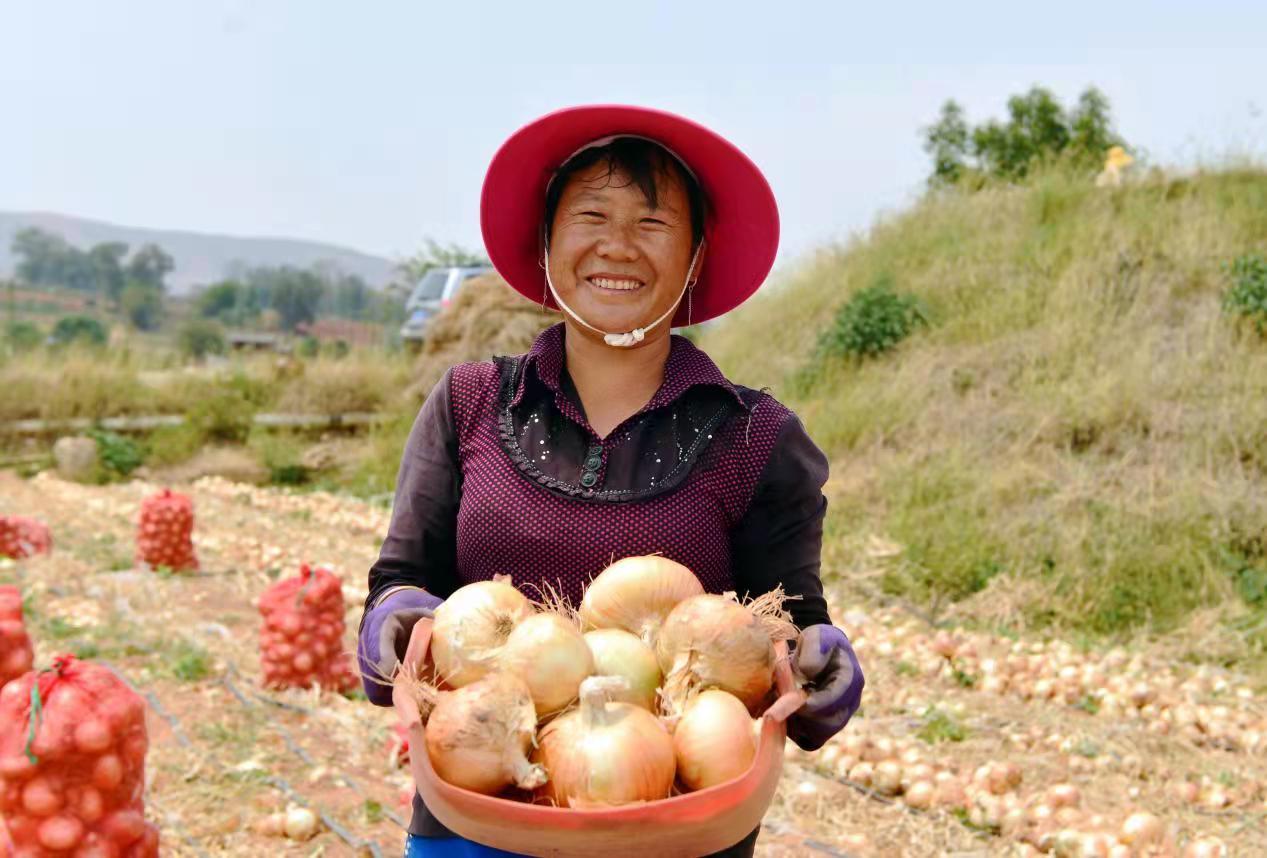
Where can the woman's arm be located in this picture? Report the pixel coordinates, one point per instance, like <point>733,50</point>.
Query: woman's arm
<point>779,542</point>
<point>416,565</point>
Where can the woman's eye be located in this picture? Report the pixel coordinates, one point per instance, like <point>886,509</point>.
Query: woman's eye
<point>592,214</point>
<point>654,221</point>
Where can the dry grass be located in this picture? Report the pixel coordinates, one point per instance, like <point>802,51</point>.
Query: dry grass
<point>487,318</point>
<point>1079,412</point>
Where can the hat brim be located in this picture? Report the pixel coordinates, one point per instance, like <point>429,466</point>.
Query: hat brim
<point>742,229</point>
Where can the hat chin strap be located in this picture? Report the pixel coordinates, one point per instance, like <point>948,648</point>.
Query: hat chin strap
<point>637,335</point>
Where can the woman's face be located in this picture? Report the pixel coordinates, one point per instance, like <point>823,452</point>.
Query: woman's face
<point>615,260</point>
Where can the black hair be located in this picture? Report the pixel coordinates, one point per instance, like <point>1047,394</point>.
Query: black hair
<point>643,161</point>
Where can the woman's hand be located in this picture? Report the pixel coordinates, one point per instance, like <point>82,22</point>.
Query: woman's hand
<point>385,637</point>
<point>411,664</point>
<point>825,664</point>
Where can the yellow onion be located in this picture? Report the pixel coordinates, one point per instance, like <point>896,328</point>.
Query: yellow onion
<point>548,652</point>
<point>620,653</point>
<point>713,641</point>
<point>472,626</point>
<point>605,753</point>
<point>479,735</point>
<point>714,740</point>
<point>636,594</point>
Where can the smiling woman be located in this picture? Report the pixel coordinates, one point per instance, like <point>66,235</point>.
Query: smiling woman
<point>612,438</point>
<point>624,235</point>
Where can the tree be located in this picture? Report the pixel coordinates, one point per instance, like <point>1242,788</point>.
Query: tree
<point>106,260</point>
<point>436,255</point>
<point>46,259</point>
<point>149,266</point>
<point>142,304</point>
<point>200,337</point>
<point>220,299</point>
<point>1038,129</point>
<point>295,294</point>
<point>79,329</point>
<point>947,141</point>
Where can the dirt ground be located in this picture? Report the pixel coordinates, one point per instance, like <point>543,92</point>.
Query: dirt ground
<point>225,753</point>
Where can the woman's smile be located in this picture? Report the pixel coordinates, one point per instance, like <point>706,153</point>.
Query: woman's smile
<point>614,283</point>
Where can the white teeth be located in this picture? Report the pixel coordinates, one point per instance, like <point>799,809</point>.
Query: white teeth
<point>605,283</point>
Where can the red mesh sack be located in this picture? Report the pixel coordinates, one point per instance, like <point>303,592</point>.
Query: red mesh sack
<point>72,765</point>
<point>23,537</point>
<point>301,644</point>
<point>164,534</point>
<point>16,653</point>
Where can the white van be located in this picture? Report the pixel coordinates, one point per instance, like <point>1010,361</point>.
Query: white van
<point>434,291</point>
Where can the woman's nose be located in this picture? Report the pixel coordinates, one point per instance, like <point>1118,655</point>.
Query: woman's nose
<point>618,243</point>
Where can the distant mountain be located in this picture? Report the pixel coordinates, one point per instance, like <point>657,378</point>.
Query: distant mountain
<point>200,258</point>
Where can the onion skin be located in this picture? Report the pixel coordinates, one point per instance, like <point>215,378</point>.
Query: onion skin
<point>636,594</point>
<point>604,754</point>
<point>551,656</point>
<point>472,626</point>
<point>479,735</point>
<point>711,641</point>
<point>620,653</point>
<point>714,741</point>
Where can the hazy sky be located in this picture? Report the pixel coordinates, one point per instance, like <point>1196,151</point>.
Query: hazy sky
<point>370,124</point>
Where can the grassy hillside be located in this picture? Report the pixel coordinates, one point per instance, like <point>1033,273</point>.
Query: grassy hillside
<point>1079,437</point>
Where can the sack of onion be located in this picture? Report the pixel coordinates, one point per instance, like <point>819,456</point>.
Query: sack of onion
<point>301,642</point>
<point>72,764</point>
<point>23,537</point>
<point>640,737</point>
<point>16,652</point>
<point>164,532</point>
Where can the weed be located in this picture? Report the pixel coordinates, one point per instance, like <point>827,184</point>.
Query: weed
<point>189,662</point>
<point>1246,297</point>
<point>872,321</point>
<point>940,726</point>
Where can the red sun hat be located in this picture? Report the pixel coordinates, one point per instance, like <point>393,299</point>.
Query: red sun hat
<point>742,227</point>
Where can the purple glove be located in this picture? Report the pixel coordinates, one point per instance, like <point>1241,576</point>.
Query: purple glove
<point>825,662</point>
<point>384,638</point>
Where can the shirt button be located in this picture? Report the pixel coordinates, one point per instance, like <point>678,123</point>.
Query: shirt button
<point>588,479</point>
<point>593,463</point>
<point>596,450</point>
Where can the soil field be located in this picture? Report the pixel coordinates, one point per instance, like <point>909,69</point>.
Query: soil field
<point>1127,730</point>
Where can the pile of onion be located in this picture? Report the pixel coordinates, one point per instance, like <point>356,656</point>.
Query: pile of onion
<point>656,695</point>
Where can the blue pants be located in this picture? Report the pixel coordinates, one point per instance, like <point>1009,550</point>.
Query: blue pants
<point>456,847</point>
<point>450,847</point>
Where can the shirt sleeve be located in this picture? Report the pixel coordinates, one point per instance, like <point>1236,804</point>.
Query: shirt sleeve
<point>779,540</point>
<point>420,549</point>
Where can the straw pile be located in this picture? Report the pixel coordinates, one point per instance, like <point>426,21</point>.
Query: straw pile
<point>486,318</point>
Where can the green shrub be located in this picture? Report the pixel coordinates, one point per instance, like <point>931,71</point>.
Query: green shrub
<point>308,347</point>
<point>171,445</point>
<point>79,329</point>
<point>281,453</point>
<point>199,338</point>
<point>872,321</point>
<point>1247,296</point>
<point>117,454</point>
<point>22,336</point>
<point>225,415</point>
